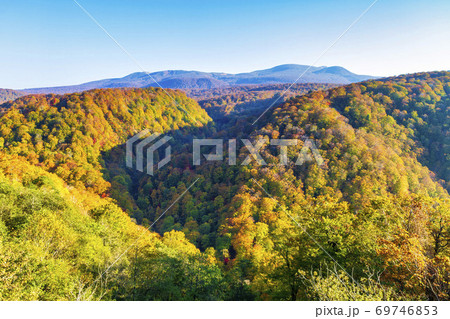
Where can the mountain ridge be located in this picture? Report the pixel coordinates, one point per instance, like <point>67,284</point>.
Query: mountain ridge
<point>182,79</point>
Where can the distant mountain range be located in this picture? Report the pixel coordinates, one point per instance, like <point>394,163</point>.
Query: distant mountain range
<point>179,79</point>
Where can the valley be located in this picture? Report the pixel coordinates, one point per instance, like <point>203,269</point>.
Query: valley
<point>371,223</point>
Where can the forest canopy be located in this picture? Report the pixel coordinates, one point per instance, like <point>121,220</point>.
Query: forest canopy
<point>370,223</point>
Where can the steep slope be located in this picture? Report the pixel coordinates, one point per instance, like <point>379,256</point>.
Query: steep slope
<point>371,205</point>
<point>419,104</point>
<point>60,243</point>
<point>179,79</point>
<point>68,134</point>
<point>59,240</point>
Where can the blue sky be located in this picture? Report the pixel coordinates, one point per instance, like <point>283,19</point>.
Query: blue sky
<point>49,43</point>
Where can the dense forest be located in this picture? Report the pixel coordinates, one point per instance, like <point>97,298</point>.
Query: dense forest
<point>371,222</point>
<point>222,103</point>
<point>9,95</point>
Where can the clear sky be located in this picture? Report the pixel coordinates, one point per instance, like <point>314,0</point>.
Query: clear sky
<point>53,42</point>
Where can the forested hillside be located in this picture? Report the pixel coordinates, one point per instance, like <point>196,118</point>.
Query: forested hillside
<point>419,104</point>
<point>373,206</point>
<point>370,222</point>
<point>59,239</point>
<point>69,134</point>
<point>57,242</point>
<point>9,95</point>
<point>250,99</point>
